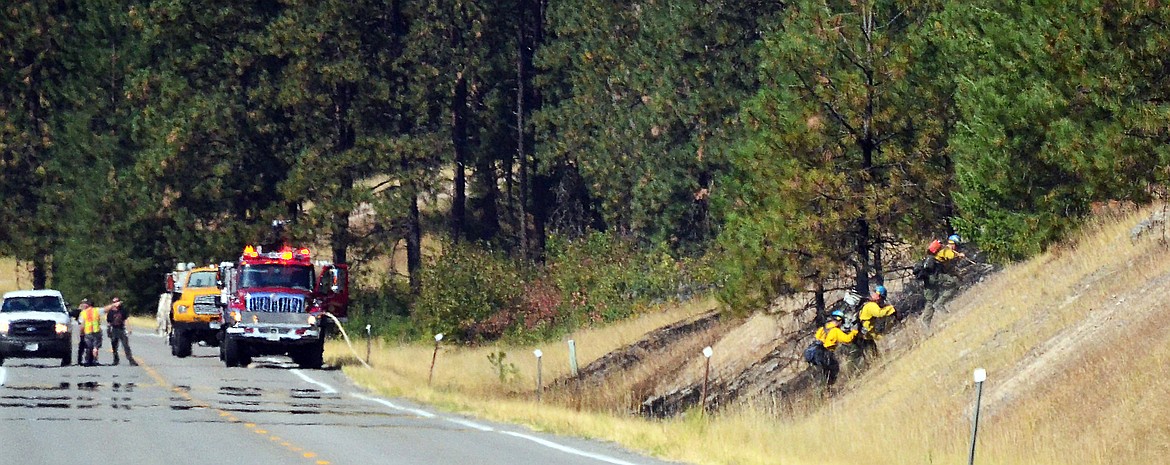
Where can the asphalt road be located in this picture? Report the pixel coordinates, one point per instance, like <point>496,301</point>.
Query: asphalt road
<point>195,411</point>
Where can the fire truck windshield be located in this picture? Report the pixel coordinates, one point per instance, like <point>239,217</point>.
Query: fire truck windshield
<point>299,277</point>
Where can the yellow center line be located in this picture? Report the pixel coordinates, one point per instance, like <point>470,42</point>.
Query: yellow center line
<point>186,394</point>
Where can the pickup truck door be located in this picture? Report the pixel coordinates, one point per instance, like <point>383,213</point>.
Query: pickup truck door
<point>333,287</point>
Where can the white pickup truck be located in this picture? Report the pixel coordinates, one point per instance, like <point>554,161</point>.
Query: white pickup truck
<point>35,324</point>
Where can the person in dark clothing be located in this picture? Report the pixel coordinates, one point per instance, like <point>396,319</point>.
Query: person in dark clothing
<point>116,323</point>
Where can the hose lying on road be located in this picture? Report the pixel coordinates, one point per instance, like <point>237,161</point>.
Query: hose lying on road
<point>346,336</point>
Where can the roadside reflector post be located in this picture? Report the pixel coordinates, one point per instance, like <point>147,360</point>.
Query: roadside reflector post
<point>435,355</point>
<point>572,358</point>
<point>980,377</point>
<point>538,355</point>
<point>369,341</point>
<point>707,352</point>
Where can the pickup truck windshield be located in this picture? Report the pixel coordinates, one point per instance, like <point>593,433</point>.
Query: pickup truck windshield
<point>299,277</point>
<point>32,304</point>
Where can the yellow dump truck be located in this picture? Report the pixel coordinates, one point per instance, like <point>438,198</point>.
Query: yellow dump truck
<point>195,317</point>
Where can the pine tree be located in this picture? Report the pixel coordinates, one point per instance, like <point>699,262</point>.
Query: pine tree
<point>1062,105</point>
<point>842,147</point>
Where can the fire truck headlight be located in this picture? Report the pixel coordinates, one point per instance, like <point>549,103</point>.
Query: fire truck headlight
<point>182,309</point>
<point>235,315</point>
<point>312,320</point>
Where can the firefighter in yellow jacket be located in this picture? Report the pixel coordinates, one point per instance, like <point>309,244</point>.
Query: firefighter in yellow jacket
<point>830,336</point>
<point>943,282</point>
<point>875,316</point>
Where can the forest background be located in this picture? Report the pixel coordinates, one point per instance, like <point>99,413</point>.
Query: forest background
<point>546,165</point>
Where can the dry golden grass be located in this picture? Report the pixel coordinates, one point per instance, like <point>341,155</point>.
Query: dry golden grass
<point>12,276</point>
<point>1074,343</point>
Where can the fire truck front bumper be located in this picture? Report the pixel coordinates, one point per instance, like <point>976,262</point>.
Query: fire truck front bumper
<point>277,334</point>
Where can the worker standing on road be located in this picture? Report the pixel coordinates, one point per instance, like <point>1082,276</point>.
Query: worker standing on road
<point>830,336</point>
<point>116,325</point>
<point>163,314</point>
<point>943,282</point>
<point>80,334</point>
<point>91,330</point>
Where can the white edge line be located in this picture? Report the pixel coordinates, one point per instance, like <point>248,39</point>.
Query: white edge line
<point>568,450</point>
<point>421,413</point>
<point>469,424</point>
<point>327,388</point>
<point>473,425</point>
<point>3,375</point>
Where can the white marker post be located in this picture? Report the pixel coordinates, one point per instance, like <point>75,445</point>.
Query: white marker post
<point>538,355</point>
<point>435,355</point>
<point>707,352</point>
<point>572,358</point>
<point>980,377</point>
<point>369,341</point>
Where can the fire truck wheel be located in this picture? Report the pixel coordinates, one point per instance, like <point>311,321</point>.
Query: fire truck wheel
<point>180,344</point>
<point>233,353</point>
<point>311,356</point>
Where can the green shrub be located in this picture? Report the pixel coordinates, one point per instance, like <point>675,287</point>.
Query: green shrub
<point>463,288</point>
<point>603,277</point>
<point>386,308</point>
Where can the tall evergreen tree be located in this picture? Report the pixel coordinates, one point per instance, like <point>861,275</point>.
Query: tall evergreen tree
<point>642,99</point>
<point>1062,105</point>
<point>842,147</point>
<point>34,69</point>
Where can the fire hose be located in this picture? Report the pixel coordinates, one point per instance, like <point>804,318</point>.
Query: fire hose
<point>347,341</point>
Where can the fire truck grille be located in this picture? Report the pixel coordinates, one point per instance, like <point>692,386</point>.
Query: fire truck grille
<point>205,305</point>
<point>276,303</point>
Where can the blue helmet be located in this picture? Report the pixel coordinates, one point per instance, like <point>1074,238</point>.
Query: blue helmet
<point>955,238</point>
<point>881,290</point>
<point>837,314</point>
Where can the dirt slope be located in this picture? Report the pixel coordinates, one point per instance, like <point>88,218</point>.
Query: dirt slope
<point>1037,327</point>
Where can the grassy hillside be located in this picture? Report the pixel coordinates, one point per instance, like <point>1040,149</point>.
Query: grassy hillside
<point>1073,341</point>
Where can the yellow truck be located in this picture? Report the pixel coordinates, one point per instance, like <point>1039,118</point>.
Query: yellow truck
<point>195,317</point>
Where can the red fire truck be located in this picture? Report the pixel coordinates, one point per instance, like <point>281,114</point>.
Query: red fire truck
<point>275,303</point>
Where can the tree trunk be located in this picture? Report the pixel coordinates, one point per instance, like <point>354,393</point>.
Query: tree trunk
<point>340,226</point>
<point>861,267</point>
<point>346,139</point>
<point>414,244</point>
<point>521,149</point>
<point>487,185</point>
<point>459,142</point>
<point>40,275</point>
<point>822,315</point>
